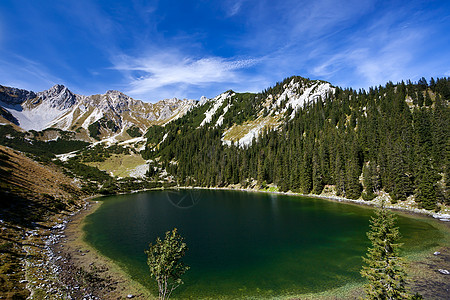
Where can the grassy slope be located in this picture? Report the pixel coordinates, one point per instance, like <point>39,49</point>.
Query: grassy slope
<point>119,164</point>
<point>237,132</point>
<point>31,195</point>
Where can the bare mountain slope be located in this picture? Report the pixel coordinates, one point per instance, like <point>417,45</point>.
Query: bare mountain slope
<point>95,116</point>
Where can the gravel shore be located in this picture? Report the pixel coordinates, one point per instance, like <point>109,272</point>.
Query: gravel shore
<point>70,269</point>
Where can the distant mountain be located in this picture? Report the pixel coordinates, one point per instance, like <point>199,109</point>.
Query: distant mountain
<point>268,110</point>
<point>92,117</point>
<point>242,117</point>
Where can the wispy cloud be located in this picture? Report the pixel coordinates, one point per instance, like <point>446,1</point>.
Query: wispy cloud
<point>159,49</point>
<point>28,74</point>
<point>166,70</point>
<point>384,50</point>
<point>234,7</point>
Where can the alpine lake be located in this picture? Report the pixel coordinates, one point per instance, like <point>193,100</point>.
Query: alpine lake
<point>247,245</point>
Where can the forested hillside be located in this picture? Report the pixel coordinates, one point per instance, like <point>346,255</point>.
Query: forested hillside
<point>393,138</point>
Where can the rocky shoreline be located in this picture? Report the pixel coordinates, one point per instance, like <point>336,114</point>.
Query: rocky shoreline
<point>408,206</point>
<point>68,268</point>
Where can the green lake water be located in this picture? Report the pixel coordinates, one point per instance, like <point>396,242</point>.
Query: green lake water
<point>246,245</point>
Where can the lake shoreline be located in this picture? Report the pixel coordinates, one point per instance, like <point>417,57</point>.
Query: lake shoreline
<point>403,206</point>
<point>82,272</point>
<point>114,282</point>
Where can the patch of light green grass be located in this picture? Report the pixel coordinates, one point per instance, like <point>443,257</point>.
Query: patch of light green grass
<point>119,165</point>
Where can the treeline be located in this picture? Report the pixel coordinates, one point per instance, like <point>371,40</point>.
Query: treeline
<point>41,150</point>
<point>101,152</point>
<point>393,138</point>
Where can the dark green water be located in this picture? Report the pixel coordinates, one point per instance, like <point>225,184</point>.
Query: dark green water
<point>245,244</point>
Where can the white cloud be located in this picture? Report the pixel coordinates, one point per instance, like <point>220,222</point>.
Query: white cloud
<point>234,8</point>
<point>169,69</point>
<point>385,50</point>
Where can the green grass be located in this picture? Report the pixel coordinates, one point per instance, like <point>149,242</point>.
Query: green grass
<point>237,132</point>
<point>119,164</point>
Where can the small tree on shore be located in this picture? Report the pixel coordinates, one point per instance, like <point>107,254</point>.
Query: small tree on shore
<point>383,266</point>
<point>164,260</point>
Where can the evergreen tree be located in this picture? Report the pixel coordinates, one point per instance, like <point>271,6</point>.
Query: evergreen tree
<point>400,182</point>
<point>368,182</point>
<point>427,187</point>
<point>306,174</point>
<point>317,176</point>
<point>260,175</point>
<point>383,266</point>
<point>420,99</point>
<point>428,101</point>
<point>353,171</point>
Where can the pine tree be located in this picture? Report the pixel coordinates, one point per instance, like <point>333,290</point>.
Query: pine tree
<point>317,176</point>
<point>383,266</point>
<point>427,187</point>
<point>428,101</point>
<point>352,173</point>
<point>260,171</point>
<point>420,98</point>
<point>306,174</point>
<point>368,182</point>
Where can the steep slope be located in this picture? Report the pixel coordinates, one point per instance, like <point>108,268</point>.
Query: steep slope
<point>247,115</point>
<point>92,117</point>
<point>31,194</point>
<point>242,117</point>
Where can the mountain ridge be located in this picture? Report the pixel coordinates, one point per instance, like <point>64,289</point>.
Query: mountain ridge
<point>60,108</point>
<point>112,114</point>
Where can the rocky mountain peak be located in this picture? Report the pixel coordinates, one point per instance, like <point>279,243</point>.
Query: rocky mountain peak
<point>15,96</point>
<point>59,95</point>
<point>115,93</point>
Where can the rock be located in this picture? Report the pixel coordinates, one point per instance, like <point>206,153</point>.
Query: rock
<point>437,253</point>
<point>443,271</point>
<point>130,296</point>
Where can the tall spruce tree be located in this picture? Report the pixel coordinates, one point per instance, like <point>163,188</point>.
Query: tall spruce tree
<point>368,180</point>
<point>427,186</point>
<point>383,266</point>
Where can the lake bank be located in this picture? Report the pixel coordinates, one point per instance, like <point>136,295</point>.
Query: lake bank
<point>408,206</point>
<point>83,271</point>
<point>60,265</point>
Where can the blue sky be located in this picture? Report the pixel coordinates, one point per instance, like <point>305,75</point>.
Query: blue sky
<point>153,50</point>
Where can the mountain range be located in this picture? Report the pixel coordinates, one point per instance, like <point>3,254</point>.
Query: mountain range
<point>112,114</point>
<point>92,117</point>
<point>300,135</point>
